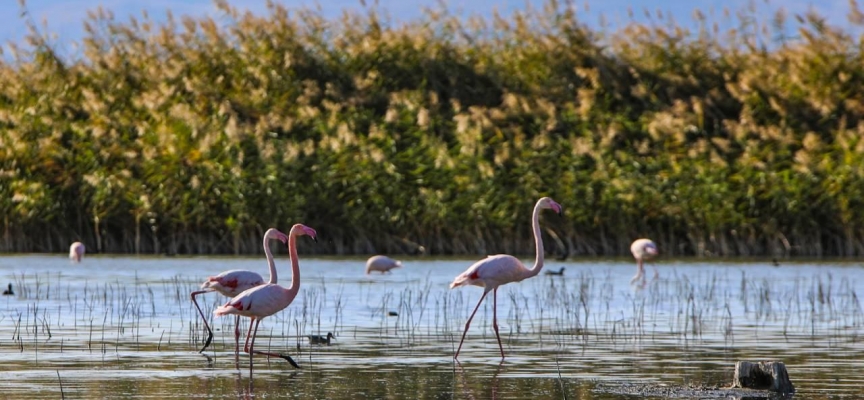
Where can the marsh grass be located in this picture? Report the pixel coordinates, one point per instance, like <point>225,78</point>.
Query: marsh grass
<point>50,315</point>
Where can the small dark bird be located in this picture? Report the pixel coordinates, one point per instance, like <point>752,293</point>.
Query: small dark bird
<point>9,292</point>
<point>392,314</point>
<point>315,339</point>
<point>559,272</point>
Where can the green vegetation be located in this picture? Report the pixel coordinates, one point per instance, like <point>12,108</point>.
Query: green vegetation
<point>195,136</point>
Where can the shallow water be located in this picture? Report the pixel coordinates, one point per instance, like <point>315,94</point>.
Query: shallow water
<point>124,327</point>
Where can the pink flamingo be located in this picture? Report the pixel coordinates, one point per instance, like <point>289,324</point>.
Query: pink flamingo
<point>263,301</point>
<point>643,249</point>
<point>501,269</point>
<point>381,263</point>
<point>234,282</point>
<point>76,252</point>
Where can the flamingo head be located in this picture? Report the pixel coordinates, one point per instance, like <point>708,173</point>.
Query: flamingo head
<point>547,202</point>
<point>274,233</point>
<point>651,249</point>
<point>300,229</point>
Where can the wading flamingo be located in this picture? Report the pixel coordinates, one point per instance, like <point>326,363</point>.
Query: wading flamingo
<point>265,300</point>
<point>234,282</point>
<point>76,252</point>
<point>643,249</point>
<point>381,263</point>
<point>497,270</point>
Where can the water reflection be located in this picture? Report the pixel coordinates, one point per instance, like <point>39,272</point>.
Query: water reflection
<point>463,383</point>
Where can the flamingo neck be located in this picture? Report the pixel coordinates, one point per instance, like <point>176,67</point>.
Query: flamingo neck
<point>538,243</point>
<point>295,264</point>
<point>270,262</point>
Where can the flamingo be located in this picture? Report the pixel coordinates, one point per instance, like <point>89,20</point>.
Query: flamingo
<point>76,252</point>
<point>263,301</point>
<point>381,263</point>
<point>643,249</point>
<point>501,269</point>
<point>315,339</point>
<point>234,282</point>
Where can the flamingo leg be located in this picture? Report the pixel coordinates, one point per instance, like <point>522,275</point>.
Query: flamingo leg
<point>248,335</point>
<point>203,318</point>
<point>640,271</point>
<point>252,345</point>
<point>248,348</point>
<point>495,320</point>
<point>237,339</point>
<point>468,324</point>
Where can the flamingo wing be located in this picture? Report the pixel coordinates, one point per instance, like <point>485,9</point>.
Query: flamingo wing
<point>492,272</point>
<point>258,302</point>
<point>231,283</point>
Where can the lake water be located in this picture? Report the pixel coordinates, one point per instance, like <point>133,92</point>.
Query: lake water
<point>125,328</point>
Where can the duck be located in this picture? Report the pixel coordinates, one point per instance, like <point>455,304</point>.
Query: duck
<point>316,339</point>
<point>9,292</point>
<point>559,272</point>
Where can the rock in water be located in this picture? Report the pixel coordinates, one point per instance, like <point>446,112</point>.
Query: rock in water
<point>764,375</point>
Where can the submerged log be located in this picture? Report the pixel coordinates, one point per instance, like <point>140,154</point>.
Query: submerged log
<point>764,375</point>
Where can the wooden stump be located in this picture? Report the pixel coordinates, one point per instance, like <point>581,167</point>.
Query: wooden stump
<point>764,375</point>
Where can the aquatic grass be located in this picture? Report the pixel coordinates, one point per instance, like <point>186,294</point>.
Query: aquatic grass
<point>113,317</point>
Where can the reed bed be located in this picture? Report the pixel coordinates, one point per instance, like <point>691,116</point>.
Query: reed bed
<point>193,136</point>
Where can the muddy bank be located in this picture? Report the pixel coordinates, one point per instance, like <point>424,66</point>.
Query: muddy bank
<point>667,391</point>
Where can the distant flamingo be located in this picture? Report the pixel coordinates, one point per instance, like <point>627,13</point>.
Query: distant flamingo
<point>558,273</point>
<point>381,263</point>
<point>501,269</point>
<point>234,282</point>
<point>76,252</point>
<point>265,300</point>
<point>643,249</point>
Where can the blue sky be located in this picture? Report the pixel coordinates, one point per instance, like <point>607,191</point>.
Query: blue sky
<point>64,17</point>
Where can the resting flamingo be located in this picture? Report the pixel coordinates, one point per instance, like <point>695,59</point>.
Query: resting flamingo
<point>263,301</point>
<point>643,249</point>
<point>76,252</point>
<point>381,263</point>
<point>501,269</point>
<point>234,282</point>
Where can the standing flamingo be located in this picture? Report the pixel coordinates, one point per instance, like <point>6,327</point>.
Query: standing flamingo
<point>381,263</point>
<point>234,282</point>
<point>501,269</point>
<point>263,301</point>
<point>76,252</point>
<point>643,249</point>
